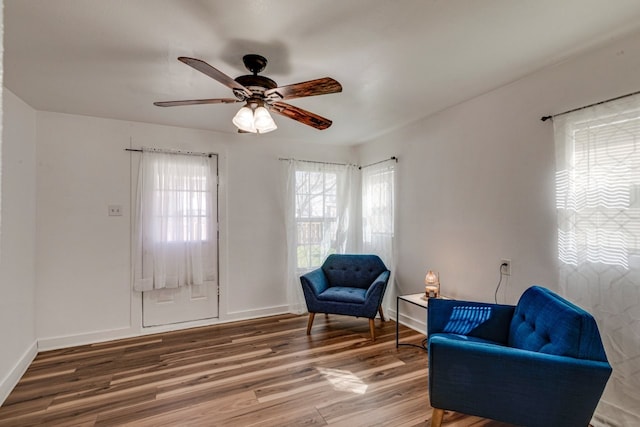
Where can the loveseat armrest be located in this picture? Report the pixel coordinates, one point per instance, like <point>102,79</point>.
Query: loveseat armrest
<point>476,319</point>
<point>499,382</point>
<point>314,281</point>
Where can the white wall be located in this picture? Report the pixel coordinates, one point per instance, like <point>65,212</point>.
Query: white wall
<point>476,181</point>
<point>17,242</point>
<point>83,258</point>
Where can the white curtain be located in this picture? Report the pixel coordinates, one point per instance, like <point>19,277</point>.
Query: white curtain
<point>598,202</point>
<point>378,213</point>
<point>175,230</point>
<point>319,219</point>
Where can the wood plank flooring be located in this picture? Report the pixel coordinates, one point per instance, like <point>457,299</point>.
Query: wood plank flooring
<point>263,372</point>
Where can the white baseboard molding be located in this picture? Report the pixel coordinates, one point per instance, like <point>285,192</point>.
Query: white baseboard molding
<point>410,322</point>
<point>231,317</point>
<point>255,314</point>
<point>12,378</point>
<point>66,341</point>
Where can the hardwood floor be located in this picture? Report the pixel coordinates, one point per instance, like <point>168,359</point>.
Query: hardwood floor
<point>264,372</point>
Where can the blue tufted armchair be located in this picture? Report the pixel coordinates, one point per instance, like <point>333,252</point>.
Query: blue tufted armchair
<point>540,363</point>
<point>352,285</point>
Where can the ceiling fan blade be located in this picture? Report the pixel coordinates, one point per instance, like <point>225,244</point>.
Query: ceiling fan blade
<point>323,86</point>
<point>303,116</point>
<point>196,102</point>
<point>215,74</point>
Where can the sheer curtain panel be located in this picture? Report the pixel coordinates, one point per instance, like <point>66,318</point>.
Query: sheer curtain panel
<point>378,213</point>
<point>319,204</point>
<point>598,204</point>
<point>175,230</point>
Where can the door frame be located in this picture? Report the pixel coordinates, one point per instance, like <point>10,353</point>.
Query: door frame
<point>135,322</point>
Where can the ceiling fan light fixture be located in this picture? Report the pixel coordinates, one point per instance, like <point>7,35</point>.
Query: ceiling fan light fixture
<point>244,120</point>
<point>263,121</point>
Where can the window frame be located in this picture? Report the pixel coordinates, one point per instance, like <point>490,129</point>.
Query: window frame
<point>314,253</point>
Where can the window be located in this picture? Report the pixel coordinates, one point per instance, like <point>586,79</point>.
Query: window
<point>180,202</point>
<point>176,217</point>
<point>378,209</point>
<point>598,190</point>
<point>316,214</point>
<point>321,207</point>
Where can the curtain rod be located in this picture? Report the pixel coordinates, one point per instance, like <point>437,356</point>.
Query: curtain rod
<point>381,161</point>
<point>315,161</point>
<point>545,118</point>
<point>340,164</point>
<point>166,151</point>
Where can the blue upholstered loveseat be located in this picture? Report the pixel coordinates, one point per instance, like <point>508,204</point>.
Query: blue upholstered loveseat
<point>540,363</point>
<point>346,284</point>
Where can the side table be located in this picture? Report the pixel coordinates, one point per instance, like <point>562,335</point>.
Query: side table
<point>418,299</point>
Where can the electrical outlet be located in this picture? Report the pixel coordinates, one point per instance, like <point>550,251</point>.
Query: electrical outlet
<point>115,210</point>
<point>505,267</point>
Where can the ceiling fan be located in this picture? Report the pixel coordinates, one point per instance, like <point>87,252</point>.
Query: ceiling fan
<point>261,95</point>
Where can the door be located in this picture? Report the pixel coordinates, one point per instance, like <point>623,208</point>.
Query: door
<point>184,304</point>
<point>189,302</point>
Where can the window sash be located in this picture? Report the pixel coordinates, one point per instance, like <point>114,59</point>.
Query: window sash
<point>181,204</point>
<point>316,216</point>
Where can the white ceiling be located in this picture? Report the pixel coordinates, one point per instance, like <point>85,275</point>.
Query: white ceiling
<point>397,61</point>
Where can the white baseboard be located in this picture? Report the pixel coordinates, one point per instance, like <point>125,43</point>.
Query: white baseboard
<point>54,343</point>
<point>410,322</point>
<point>254,314</point>
<point>64,341</point>
<point>9,382</point>
<point>230,317</point>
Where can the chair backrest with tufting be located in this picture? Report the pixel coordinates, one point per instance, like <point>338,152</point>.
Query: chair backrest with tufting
<point>357,271</point>
<point>547,323</point>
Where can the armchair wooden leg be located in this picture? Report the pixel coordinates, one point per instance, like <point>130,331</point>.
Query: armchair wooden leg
<point>310,322</point>
<point>381,314</point>
<point>436,417</point>
<point>372,329</point>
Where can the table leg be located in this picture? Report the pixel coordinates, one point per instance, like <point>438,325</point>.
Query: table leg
<point>398,343</point>
<point>397,318</point>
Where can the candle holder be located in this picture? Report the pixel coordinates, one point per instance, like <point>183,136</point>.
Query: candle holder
<point>432,285</point>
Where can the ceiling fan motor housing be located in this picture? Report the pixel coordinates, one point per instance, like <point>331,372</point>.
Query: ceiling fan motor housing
<point>254,63</point>
<point>256,84</point>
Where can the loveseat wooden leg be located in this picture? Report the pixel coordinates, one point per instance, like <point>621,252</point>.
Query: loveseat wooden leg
<point>436,417</point>
<point>372,329</point>
<point>310,322</point>
<point>381,314</point>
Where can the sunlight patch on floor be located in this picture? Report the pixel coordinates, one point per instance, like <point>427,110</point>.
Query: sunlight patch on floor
<point>343,380</point>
